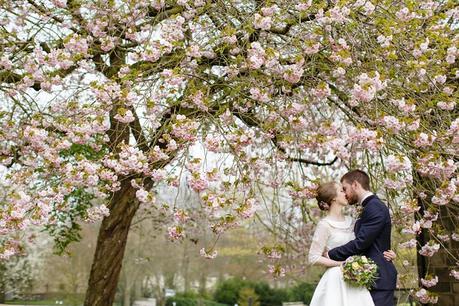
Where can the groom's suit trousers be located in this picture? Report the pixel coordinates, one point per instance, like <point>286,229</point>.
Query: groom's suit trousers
<point>383,297</point>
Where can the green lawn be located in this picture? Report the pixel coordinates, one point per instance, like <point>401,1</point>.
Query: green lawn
<point>53,303</point>
<point>26,303</point>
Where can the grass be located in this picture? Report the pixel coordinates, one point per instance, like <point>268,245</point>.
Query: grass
<point>45,302</point>
<point>53,302</point>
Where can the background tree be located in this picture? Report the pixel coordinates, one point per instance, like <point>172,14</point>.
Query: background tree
<point>248,297</point>
<point>16,278</point>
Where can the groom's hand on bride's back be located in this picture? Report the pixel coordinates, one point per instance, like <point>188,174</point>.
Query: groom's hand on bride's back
<point>389,255</point>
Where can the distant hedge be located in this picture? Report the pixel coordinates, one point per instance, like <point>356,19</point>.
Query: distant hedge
<point>227,292</point>
<point>188,301</point>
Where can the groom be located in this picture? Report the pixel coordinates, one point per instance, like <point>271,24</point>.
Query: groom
<point>372,231</point>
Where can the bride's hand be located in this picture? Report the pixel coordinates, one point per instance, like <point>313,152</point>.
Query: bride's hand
<point>339,263</point>
<point>389,255</point>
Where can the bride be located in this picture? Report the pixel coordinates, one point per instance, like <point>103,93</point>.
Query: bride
<point>332,231</point>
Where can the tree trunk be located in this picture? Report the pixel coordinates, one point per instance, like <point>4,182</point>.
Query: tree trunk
<point>2,294</point>
<point>185,267</point>
<point>2,283</point>
<point>203,282</point>
<point>126,288</point>
<point>138,289</point>
<point>111,244</point>
<point>127,295</point>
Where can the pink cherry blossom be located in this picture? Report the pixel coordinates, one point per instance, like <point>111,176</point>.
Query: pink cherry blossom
<point>414,229</point>
<point>95,214</point>
<point>392,123</point>
<point>397,163</point>
<point>158,4</point>
<point>321,91</point>
<point>429,249</point>
<point>293,73</point>
<point>367,87</point>
<point>455,274</point>
<point>212,143</point>
<point>60,3</point>
<point>440,79</point>
<point>270,10</point>
<point>198,184</point>
<point>198,100</point>
<point>276,271</point>
<point>405,14</point>
<point>206,253</point>
<point>259,95</point>
<point>404,106</point>
<point>303,5</point>
<point>77,44</point>
<point>248,209</point>
<point>262,22</point>
<point>446,105</point>
<point>142,195</point>
<point>424,140</point>
<point>425,296</point>
<point>175,233</point>
<point>124,116</point>
<point>181,216</point>
<point>256,56</point>
<point>108,43</point>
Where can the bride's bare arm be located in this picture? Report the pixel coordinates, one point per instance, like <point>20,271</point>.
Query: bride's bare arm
<point>327,262</point>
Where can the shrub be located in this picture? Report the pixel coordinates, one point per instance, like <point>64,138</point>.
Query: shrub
<point>188,301</point>
<point>227,292</point>
<point>248,297</point>
<point>302,292</point>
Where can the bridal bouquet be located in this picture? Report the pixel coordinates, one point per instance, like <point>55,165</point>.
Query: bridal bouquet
<point>360,271</point>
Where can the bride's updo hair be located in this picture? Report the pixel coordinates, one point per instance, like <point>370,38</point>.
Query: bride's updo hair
<point>325,195</point>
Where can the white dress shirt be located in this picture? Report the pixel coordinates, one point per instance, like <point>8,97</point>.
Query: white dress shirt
<point>365,195</point>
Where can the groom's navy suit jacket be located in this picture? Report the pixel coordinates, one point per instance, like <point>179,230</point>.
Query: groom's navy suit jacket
<point>372,238</point>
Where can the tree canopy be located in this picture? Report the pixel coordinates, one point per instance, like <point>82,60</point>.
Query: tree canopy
<point>101,101</point>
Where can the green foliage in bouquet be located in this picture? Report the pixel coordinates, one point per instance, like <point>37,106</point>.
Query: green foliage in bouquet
<point>360,271</point>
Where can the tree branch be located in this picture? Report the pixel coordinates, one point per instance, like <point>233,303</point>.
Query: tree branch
<point>13,78</point>
<point>41,9</point>
<point>252,122</point>
<point>137,131</point>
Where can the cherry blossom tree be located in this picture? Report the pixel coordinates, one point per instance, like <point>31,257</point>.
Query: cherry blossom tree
<point>102,101</point>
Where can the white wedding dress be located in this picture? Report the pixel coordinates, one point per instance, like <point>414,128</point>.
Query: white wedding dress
<point>332,290</point>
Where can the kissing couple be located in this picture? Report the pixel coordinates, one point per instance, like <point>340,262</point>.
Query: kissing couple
<point>338,237</point>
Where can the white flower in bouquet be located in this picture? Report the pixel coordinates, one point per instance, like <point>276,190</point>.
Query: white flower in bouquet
<point>360,271</point>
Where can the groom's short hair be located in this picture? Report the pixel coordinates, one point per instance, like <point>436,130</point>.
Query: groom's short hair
<point>359,176</point>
